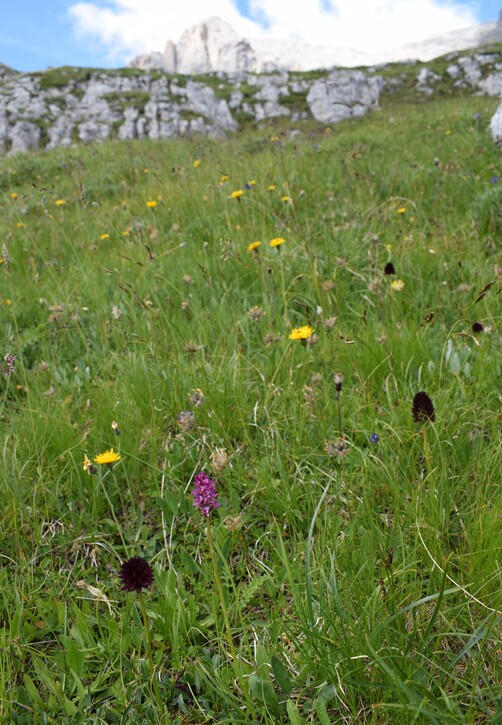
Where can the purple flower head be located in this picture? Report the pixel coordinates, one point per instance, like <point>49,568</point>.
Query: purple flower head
<point>136,574</point>
<point>9,364</point>
<point>494,180</point>
<point>477,116</point>
<point>422,408</point>
<point>374,438</point>
<point>186,420</point>
<point>205,495</point>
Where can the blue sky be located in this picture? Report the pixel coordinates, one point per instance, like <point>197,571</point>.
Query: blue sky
<point>106,33</point>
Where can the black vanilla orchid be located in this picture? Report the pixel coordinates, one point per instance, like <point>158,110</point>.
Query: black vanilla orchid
<point>136,574</point>
<point>422,408</point>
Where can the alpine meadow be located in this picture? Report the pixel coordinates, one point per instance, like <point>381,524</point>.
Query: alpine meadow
<point>250,414</point>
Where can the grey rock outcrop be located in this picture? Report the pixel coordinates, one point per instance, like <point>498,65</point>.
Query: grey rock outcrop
<point>343,94</point>
<point>63,106</point>
<point>496,125</point>
<point>149,61</point>
<point>70,105</point>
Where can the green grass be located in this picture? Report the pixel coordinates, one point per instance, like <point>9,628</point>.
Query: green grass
<point>364,588</point>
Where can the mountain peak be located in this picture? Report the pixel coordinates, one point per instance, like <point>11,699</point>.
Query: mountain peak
<point>214,45</point>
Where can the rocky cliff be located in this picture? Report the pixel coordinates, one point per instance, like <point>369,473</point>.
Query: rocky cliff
<point>64,106</point>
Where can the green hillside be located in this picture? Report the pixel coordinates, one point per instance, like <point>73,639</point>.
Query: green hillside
<point>351,573</point>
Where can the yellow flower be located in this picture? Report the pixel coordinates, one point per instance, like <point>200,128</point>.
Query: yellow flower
<point>223,178</point>
<point>151,204</point>
<point>59,202</point>
<point>388,247</point>
<point>105,236</point>
<point>254,246</point>
<point>276,242</point>
<point>397,285</point>
<point>401,210</point>
<point>126,233</point>
<point>236,194</point>
<point>271,187</point>
<point>448,132</point>
<point>285,198</point>
<point>107,458</point>
<point>13,195</point>
<point>252,182</point>
<point>274,139</point>
<point>301,333</point>
<point>196,163</point>
<point>20,225</point>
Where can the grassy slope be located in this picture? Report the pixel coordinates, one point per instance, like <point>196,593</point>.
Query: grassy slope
<point>323,616</point>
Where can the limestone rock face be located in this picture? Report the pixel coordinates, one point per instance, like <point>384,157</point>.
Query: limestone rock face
<point>212,45</point>
<point>24,136</point>
<point>343,94</point>
<point>149,61</point>
<point>169,57</point>
<point>496,125</point>
<point>494,35</point>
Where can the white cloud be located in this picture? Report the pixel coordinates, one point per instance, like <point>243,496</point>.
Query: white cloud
<point>128,27</point>
<point>363,24</point>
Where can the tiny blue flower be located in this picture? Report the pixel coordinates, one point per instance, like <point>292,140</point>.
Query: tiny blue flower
<point>374,438</point>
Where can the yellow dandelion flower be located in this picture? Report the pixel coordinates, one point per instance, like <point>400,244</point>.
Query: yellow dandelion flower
<point>196,163</point>
<point>20,225</point>
<point>224,178</point>
<point>13,195</point>
<point>104,236</point>
<point>401,210</point>
<point>301,333</point>
<point>151,204</point>
<point>271,187</point>
<point>252,182</point>
<point>107,458</point>
<point>276,242</point>
<point>8,302</point>
<point>254,246</point>
<point>388,247</point>
<point>448,132</point>
<point>236,194</point>
<point>126,233</point>
<point>59,202</point>
<point>274,139</point>
<point>285,198</point>
<point>397,285</point>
